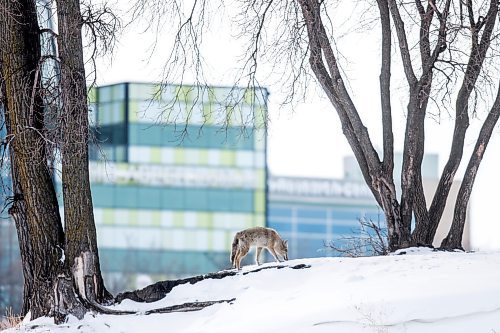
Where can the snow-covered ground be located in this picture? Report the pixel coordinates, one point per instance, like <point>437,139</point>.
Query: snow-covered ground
<point>421,291</point>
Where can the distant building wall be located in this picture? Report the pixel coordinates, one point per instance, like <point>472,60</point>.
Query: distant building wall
<point>430,186</point>
<point>176,173</point>
<point>311,213</point>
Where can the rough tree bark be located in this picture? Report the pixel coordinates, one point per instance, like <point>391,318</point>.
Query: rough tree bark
<point>479,47</point>
<point>434,28</point>
<point>57,283</point>
<point>43,233</point>
<point>18,209</point>
<point>81,240</point>
<point>454,238</point>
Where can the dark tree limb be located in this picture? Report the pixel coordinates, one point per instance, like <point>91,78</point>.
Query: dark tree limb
<point>454,238</point>
<point>82,257</point>
<point>476,59</point>
<point>20,53</point>
<point>188,307</point>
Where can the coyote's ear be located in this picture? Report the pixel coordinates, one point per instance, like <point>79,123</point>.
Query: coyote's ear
<point>285,242</point>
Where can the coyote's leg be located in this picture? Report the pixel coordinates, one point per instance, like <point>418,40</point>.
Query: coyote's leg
<point>241,254</point>
<point>274,254</point>
<point>235,256</point>
<point>257,255</point>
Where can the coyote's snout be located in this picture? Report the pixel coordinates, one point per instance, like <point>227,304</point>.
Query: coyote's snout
<point>260,238</point>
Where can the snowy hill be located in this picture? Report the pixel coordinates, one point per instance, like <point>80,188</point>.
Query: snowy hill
<point>421,291</point>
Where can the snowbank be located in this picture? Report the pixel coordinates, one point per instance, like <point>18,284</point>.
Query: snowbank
<point>423,292</point>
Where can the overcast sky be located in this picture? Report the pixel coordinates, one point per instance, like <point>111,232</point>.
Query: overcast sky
<point>309,141</point>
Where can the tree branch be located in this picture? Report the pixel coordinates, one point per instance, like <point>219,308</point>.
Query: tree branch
<point>385,88</point>
<point>454,238</point>
<point>403,43</point>
<point>476,59</point>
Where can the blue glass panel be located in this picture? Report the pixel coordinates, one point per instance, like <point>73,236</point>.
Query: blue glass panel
<point>190,136</point>
<point>313,228</point>
<point>172,198</point>
<point>232,138</point>
<point>181,263</point>
<point>148,135</point>
<point>112,93</point>
<point>196,199</point>
<point>126,196</point>
<point>346,215</point>
<point>195,137</point>
<point>218,200</point>
<point>375,216</point>
<point>280,227</point>
<point>345,229</point>
<point>133,134</point>
<point>311,213</point>
<point>242,201</point>
<point>278,211</point>
<point>103,195</point>
<point>149,198</point>
<point>310,248</point>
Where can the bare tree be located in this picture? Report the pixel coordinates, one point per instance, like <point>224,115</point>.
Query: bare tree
<point>81,239</point>
<point>448,58</point>
<point>60,266</point>
<point>20,52</point>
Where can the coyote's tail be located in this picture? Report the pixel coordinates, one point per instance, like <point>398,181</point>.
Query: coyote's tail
<point>234,248</point>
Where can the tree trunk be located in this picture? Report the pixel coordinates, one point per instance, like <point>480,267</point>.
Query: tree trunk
<point>477,56</point>
<point>81,240</point>
<point>18,212</point>
<point>454,238</point>
<point>43,233</point>
<point>392,212</point>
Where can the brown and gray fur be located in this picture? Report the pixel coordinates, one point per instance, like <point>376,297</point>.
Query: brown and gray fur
<point>259,237</point>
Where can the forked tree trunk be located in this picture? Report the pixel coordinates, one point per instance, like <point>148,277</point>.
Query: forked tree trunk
<point>81,241</point>
<point>434,25</point>
<point>42,234</point>
<point>49,285</point>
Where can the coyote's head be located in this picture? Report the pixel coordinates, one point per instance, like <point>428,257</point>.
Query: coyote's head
<point>283,249</point>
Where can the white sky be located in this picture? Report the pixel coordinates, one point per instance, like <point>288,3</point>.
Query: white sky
<point>309,141</point>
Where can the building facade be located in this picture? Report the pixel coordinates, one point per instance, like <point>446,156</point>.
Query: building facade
<point>314,213</point>
<point>176,171</point>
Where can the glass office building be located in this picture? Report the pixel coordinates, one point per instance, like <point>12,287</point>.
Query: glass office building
<point>311,213</point>
<point>176,172</point>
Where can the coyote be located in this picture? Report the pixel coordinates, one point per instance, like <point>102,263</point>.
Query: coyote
<point>260,238</point>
